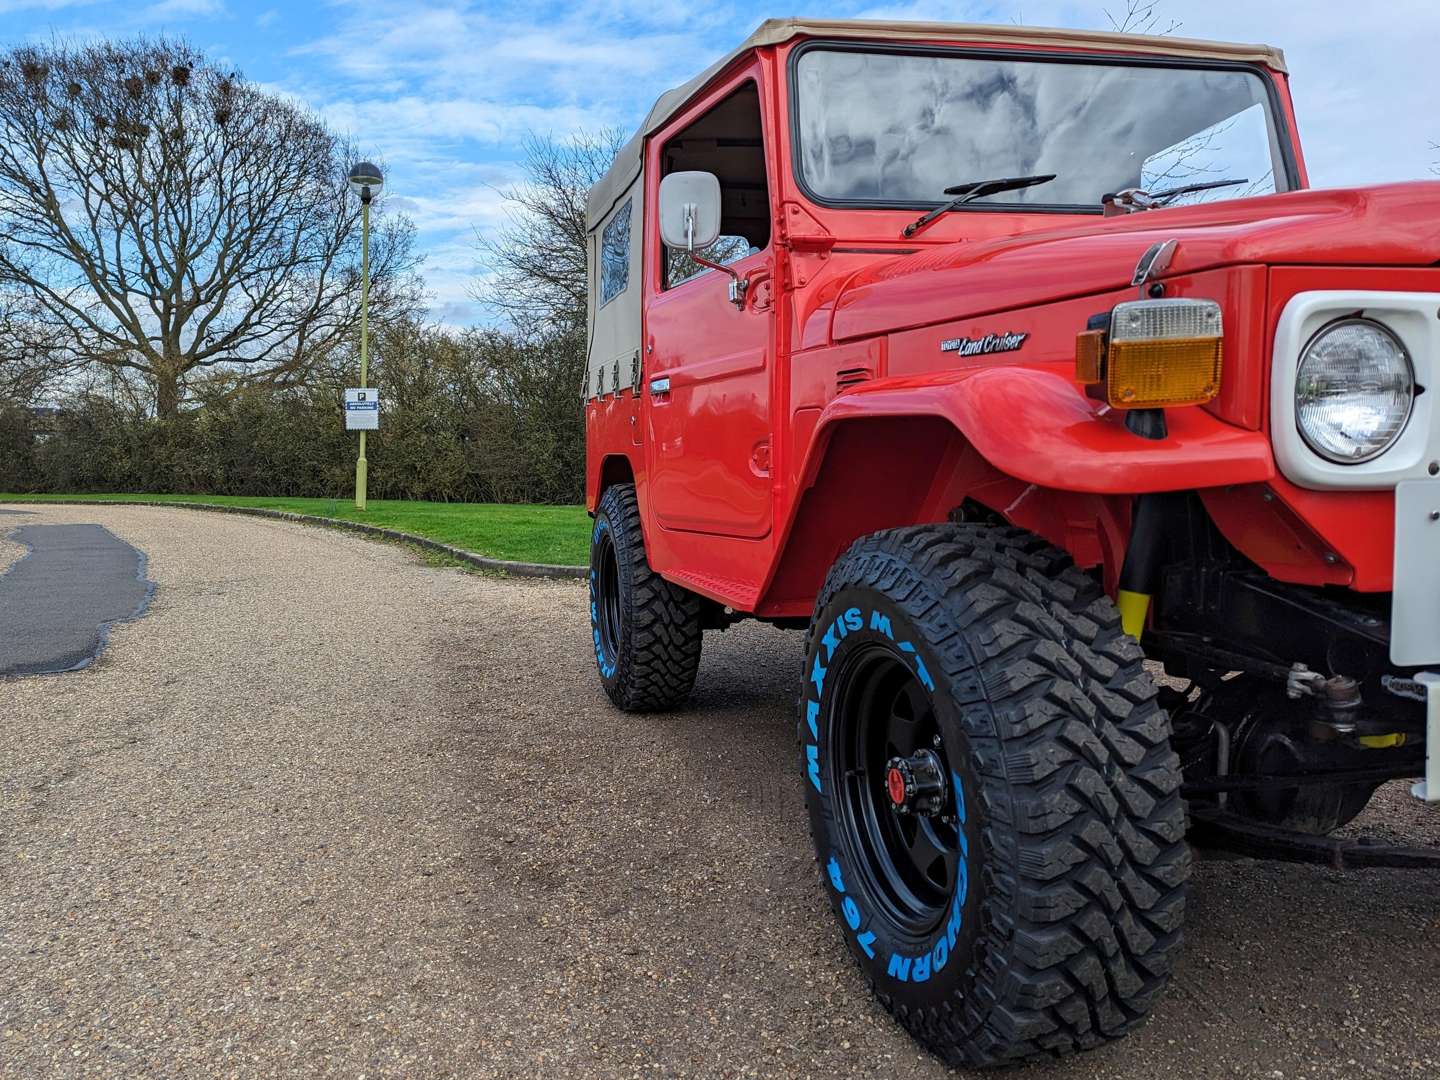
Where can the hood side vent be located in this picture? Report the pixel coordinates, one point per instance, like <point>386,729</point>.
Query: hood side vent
<point>848,377</point>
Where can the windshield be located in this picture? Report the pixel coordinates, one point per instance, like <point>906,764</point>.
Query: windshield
<point>884,128</point>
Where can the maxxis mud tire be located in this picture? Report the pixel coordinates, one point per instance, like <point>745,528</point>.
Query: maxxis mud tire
<point>1064,912</point>
<point>646,631</point>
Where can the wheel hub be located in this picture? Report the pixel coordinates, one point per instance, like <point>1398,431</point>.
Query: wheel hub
<point>916,784</point>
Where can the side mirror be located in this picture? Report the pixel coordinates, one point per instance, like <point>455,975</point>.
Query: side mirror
<point>690,210</point>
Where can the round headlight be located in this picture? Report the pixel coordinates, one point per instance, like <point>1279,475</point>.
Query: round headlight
<point>1354,391</point>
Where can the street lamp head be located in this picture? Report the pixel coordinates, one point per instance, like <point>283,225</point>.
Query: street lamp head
<point>365,180</point>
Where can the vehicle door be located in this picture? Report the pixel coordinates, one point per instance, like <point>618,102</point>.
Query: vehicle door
<point>708,362</point>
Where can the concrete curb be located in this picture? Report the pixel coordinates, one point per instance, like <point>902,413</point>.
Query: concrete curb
<point>503,566</point>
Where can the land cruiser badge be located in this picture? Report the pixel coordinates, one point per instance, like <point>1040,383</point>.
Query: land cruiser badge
<point>984,346</point>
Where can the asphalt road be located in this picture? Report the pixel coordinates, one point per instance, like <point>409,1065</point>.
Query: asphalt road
<point>58,602</point>
<point>325,810</point>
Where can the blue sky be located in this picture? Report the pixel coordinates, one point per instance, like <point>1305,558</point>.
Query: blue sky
<point>445,92</point>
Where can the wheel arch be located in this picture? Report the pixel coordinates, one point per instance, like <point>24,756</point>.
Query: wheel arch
<point>1038,427</point>
<point>609,470</point>
<point>870,473</point>
<point>1022,442</point>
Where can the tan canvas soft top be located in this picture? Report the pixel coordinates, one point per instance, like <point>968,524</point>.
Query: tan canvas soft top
<point>775,31</point>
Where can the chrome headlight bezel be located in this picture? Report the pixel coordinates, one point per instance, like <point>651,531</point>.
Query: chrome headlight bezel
<point>1404,374</point>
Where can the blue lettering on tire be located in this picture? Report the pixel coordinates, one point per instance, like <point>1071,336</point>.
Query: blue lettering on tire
<point>607,664</point>
<point>920,670</point>
<point>850,621</point>
<point>920,967</point>
<point>903,967</point>
<point>854,916</point>
<point>812,748</point>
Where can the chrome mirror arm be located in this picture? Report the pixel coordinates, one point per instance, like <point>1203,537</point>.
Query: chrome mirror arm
<point>738,285</point>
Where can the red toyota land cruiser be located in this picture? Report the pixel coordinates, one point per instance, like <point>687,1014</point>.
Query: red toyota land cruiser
<point>1002,360</point>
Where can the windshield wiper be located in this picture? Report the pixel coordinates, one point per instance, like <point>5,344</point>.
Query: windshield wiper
<point>1133,200</point>
<point>976,189</point>
<point>1190,189</point>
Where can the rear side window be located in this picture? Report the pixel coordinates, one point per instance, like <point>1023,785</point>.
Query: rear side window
<point>615,255</point>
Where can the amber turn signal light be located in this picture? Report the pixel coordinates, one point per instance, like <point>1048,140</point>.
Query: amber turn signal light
<point>1090,357</point>
<point>1159,374</point>
<point>1157,354</point>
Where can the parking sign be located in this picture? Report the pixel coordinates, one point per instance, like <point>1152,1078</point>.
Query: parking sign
<point>362,409</point>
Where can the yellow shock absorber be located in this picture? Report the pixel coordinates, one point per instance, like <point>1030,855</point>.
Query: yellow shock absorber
<point>1134,607</point>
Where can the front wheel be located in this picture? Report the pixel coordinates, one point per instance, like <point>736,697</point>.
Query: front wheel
<point>1004,855</point>
<point>646,630</point>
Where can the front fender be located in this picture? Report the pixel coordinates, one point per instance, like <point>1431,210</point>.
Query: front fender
<point>1037,427</point>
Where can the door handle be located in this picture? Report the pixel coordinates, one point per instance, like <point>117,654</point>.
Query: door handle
<point>660,385</point>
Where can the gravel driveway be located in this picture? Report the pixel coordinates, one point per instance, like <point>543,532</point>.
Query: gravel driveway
<point>326,810</point>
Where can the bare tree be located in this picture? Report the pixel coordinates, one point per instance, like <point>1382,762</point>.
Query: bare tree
<point>161,216</point>
<point>1435,165</point>
<point>19,382</point>
<point>537,261</point>
<point>1142,17</point>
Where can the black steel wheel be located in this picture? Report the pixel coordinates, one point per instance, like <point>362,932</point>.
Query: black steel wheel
<point>606,600</point>
<point>992,794</point>
<point>890,745</point>
<point>646,630</point>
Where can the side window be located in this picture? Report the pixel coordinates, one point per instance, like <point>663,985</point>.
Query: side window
<point>615,255</point>
<point>726,141</point>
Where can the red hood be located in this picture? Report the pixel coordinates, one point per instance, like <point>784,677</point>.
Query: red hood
<point>1394,225</point>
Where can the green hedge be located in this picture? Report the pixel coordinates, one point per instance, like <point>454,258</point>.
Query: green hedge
<point>248,445</point>
<point>477,417</point>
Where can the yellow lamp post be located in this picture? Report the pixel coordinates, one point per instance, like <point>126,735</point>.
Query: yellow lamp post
<point>366,181</point>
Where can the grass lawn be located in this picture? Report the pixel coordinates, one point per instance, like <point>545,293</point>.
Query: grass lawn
<point>541,534</point>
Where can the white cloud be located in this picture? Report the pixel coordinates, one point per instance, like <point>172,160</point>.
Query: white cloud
<point>456,49</point>
<point>412,118</point>
<point>456,209</point>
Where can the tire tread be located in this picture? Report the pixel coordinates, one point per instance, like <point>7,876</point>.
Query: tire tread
<point>1084,825</point>
<point>657,667</point>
